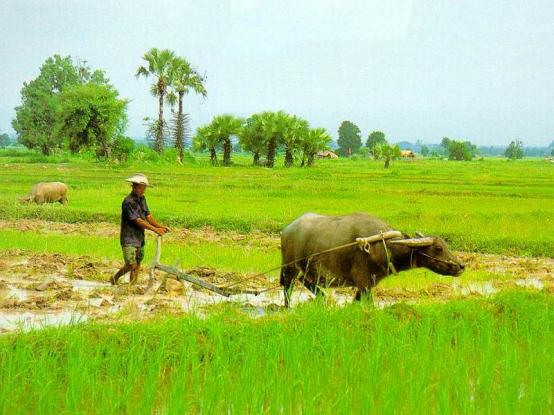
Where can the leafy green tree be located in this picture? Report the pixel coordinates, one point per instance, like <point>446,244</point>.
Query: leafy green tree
<point>205,139</point>
<point>158,66</point>
<point>514,150</point>
<point>4,140</point>
<point>374,140</point>
<point>460,150</point>
<point>349,139</point>
<point>122,148</point>
<point>424,150</point>
<point>92,116</point>
<point>36,117</point>
<point>387,152</point>
<point>252,137</point>
<point>183,79</point>
<point>316,140</point>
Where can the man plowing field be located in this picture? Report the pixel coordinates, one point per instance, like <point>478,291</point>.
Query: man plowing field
<point>135,218</point>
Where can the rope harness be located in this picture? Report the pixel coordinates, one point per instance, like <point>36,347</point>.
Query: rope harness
<point>363,243</point>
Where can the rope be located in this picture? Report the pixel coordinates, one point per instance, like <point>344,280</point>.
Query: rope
<point>364,244</point>
<point>290,263</point>
<point>446,261</point>
<point>390,266</point>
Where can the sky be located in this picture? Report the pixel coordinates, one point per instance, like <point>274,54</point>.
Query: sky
<point>478,70</point>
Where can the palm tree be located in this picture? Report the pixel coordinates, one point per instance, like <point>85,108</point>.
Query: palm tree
<point>223,127</point>
<point>219,132</point>
<point>252,137</point>
<point>316,140</point>
<point>205,139</point>
<point>159,64</point>
<point>275,125</point>
<point>387,152</point>
<point>296,131</point>
<point>183,79</point>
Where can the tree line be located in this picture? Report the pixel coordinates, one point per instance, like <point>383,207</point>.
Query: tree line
<point>376,146</point>
<point>70,105</point>
<point>174,77</point>
<point>262,134</point>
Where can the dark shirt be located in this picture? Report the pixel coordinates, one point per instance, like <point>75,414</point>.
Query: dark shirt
<point>132,208</point>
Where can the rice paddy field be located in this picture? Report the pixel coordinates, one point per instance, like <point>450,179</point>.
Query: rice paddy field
<point>71,343</point>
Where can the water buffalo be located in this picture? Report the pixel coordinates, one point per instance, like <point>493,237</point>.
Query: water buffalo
<point>352,266</point>
<point>47,192</point>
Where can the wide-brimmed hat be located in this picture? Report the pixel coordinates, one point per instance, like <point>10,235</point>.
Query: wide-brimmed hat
<point>138,178</point>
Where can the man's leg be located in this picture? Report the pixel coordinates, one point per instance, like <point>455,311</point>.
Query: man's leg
<point>134,273</point>
<point>122,271</point>
<point>129,256</point>
<point>138,256</point>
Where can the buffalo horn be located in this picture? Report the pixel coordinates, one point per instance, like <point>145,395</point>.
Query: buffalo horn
<point>426,241</point>
<point>419,234</point>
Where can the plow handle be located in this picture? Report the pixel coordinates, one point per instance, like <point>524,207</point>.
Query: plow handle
<point>156,259</point>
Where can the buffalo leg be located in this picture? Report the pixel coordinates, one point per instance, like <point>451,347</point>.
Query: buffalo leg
<point>314,288</point>
<point>364,294</point>
<point>310,280</point>
<point>288,274</point>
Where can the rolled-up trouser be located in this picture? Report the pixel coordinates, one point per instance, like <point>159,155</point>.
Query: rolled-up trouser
<point>133,255</point>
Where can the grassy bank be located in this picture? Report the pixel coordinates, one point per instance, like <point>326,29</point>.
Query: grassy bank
<point>472,356</point>
<point>490,206</point>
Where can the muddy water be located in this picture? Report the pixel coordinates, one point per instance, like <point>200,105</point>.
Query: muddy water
<point>28,320</point>
<point>50,289</point>
<point>27,302</point>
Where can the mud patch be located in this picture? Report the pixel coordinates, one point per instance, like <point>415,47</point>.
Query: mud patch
<point>51,289</point>
<point>542,268</point>
<point>28,320</point>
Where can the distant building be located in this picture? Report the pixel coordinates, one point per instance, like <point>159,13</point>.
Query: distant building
<point>407,154</point>
<point>327,154</point>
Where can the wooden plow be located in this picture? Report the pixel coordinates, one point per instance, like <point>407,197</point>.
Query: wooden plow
<point>181,276</point>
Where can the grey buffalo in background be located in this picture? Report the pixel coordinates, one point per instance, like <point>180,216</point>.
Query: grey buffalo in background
<point>48,192</point>
<point>351,266</point>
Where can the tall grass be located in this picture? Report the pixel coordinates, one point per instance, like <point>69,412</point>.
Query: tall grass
<point>472,356</point>
<point>491,205</point>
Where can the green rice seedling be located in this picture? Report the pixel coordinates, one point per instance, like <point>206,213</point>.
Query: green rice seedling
<point>467,356</point>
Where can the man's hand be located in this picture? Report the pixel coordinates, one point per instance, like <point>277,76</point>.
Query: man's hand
<point>162,230</point>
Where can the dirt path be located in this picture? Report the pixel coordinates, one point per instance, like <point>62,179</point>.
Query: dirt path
<point>45,289</point>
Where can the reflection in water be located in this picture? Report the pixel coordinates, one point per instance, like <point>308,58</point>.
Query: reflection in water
<point>31,320</point>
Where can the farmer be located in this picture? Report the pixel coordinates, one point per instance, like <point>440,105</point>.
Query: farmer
<point>135,218</point>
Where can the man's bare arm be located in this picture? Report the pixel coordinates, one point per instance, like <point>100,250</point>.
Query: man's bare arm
<point>146,225</point>
<point>155,223</point>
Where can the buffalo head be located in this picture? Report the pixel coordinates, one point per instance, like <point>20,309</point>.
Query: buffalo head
<point>432,253</point>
